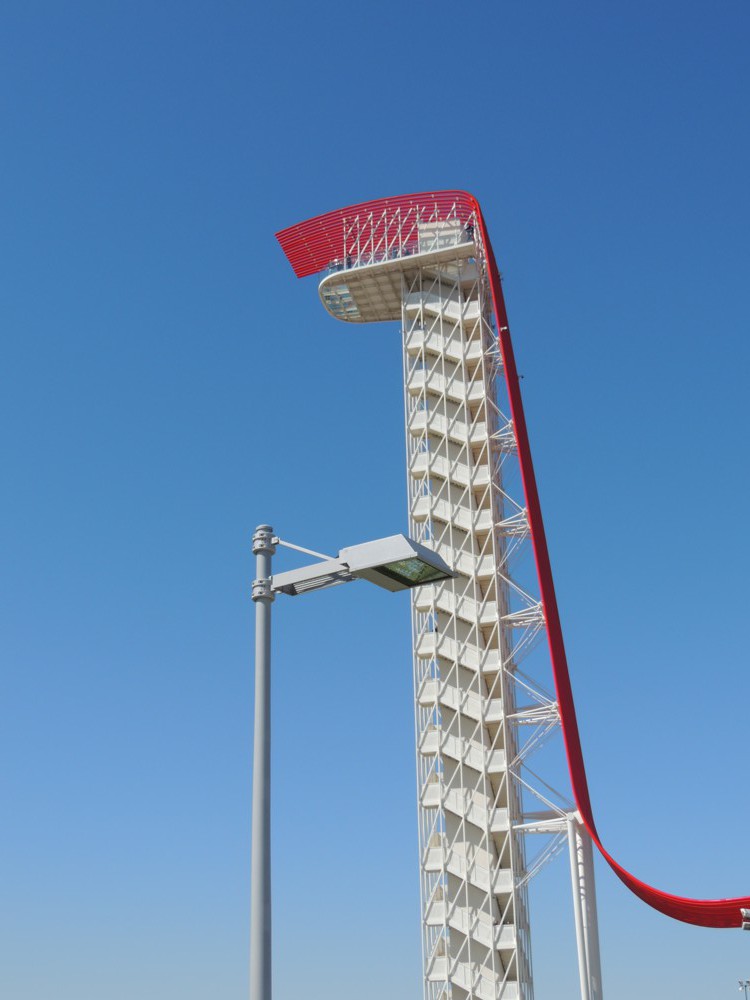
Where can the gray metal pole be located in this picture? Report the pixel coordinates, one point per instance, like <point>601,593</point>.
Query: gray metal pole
<point>576,876</point>
<point>591,917</point>
<point>260,862</point>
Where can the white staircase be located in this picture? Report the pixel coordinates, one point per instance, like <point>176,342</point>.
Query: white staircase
<point>474,913</point>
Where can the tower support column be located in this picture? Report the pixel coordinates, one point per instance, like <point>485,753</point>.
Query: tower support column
<point>584,909</point>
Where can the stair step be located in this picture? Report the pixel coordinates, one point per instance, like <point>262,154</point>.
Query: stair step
<point>432,644</point>
<point>478,875</point>
<point>454,388</point>
<point>447,513</point>
<point>471,752</point>
<point>437,303</point>
<point>477,980</point>
<point>452,345</point>
<point>477,477</point>
<point>430,597</point>
<point>474,807</point>
<point>472,923</point>
<point>468,703</point>
<point>421,421</point>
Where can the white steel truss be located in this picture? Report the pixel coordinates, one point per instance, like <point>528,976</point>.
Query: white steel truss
<point>479,715</point>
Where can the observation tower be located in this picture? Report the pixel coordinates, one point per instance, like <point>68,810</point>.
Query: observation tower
<point>425,261</point>
<point>423,265</point>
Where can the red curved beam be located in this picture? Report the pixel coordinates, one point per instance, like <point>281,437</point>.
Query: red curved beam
<point>310,247</point>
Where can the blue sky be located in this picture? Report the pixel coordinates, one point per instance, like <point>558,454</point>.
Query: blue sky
<point>167,384</point>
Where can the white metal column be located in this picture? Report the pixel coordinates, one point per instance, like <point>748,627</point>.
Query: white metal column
<point>584,907</point>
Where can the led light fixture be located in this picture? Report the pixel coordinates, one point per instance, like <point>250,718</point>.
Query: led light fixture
<point>394,563</point>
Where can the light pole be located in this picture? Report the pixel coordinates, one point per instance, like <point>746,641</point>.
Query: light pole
<point>395,563</point>
<point>264,546</point>
<point>744,985</point>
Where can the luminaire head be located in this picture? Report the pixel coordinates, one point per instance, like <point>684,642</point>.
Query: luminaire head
<point>394,563</point>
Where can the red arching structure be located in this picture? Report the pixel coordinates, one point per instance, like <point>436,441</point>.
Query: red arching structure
<point>311,247</point>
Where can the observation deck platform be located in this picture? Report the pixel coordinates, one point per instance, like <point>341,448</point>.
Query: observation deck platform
<point>369,289</point>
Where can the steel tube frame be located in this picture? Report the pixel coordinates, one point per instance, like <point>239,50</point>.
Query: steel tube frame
<point>584,908</point>
<point>576,878</point>
<point>260,862</point>
<point>591,916</point>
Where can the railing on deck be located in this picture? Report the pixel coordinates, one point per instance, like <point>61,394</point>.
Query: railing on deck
<point>393,233</point>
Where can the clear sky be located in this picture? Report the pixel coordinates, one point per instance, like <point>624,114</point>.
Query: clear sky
<point>167,384</point>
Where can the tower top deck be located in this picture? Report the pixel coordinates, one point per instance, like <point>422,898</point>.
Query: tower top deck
<point>368,288</point>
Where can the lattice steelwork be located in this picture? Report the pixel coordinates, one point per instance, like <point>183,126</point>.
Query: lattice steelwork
<point>475,914</point>
<point>427,260</point>
<point>470,634</point>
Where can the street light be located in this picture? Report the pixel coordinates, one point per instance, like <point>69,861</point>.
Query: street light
<point>744,985</point>
<point>394,563</point>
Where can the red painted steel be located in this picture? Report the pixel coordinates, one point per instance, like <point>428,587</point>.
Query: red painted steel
<point>310,247</point>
